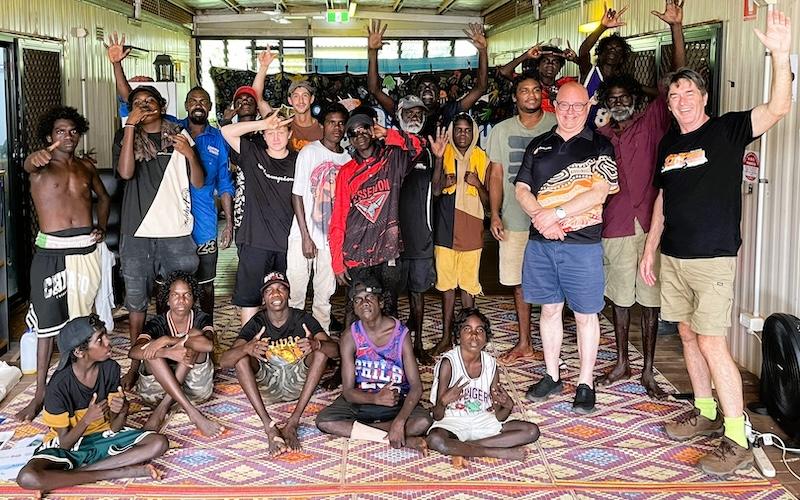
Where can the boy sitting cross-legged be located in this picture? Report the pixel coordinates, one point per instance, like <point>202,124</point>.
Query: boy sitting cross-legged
<point>176,347</point>
<point>471,407</point>
<point>86,410</point>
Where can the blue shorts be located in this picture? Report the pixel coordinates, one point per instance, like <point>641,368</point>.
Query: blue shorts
<point>554,271</point>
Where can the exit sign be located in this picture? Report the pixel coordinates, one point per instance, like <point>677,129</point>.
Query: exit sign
<point>338,16</point>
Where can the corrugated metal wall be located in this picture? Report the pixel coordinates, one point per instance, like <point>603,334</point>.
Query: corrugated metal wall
<point>742,82</point>
<point>55,19</point>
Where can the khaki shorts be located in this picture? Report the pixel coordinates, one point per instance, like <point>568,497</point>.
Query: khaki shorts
<point>198,384</point>
<point>281,382</point>
<point>698,292</point>
<point>512,253</point>
<point>457,269</point>
<point>624,284</point>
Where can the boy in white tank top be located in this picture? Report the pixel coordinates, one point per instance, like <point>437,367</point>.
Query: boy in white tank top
<point>471,407</point>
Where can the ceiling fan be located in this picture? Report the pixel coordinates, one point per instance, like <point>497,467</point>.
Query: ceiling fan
<point>279,13</point>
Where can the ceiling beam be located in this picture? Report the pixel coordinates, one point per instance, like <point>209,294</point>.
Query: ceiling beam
<point>183,5</point>
<point>406,15</point>
<point>232,5</point>
<point>494,7</point>
<point>445,6</point>
<point>398,4</point>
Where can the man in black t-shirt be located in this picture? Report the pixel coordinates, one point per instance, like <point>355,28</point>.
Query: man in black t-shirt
<point>696,219</point>
<point>152,155</point>
<point>262,237</point>
<point>285,351</point>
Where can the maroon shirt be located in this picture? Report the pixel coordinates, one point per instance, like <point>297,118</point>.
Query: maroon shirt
<point>636,149</point>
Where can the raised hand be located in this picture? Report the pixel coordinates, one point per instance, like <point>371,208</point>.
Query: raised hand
<point>378,132</point>
<point>138,114</point>
<point>453,393</point>
<point>265,58</point>
<point>256,347</point>
<point>375,35</point>
<point>273,121</point>
<point>387,396</point>
<point>229,113</point>
<point>673,12</point>
<point>96,411</point>
<point>115,48</point>
<point>476,35</point>
<point>42,157</point>
<point>778,38</point>
<point>570,54</point>
<point>612,18</point>
<point>439,144</point>
<point>535,52</point>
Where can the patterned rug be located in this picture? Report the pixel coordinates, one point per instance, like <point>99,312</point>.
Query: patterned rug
<point>620,450</point>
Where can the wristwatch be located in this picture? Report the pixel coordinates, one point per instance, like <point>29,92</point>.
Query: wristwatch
<point>560,213</point>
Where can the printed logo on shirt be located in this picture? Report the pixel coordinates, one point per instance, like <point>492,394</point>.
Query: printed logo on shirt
<point>214,151</point>
<point>371,200</point>
<point>420,166</point>
<point>542,149</point>
<point>693,158</point>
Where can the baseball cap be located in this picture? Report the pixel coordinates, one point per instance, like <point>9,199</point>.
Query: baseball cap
<point>301,83</point>
<point>368,284</point>
<point>411,101</point>
<point>150,90</point>
<point>359,121</point>
<point>274,277</point>
<point>76,332</point>
<point>245,89</point>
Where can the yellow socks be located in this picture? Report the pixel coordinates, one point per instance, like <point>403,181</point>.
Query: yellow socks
<point>707,407</point>
<point>734,430</point>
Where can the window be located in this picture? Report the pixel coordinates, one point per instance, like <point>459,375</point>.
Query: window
<point>294,56</point>
<point>440,48</point>
<point>390,50</point>
<point>240,55</point>
<point>412,49</point>
<point>464,48</point>
<point>212,53</point>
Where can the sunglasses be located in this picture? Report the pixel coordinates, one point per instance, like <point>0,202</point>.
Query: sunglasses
<point>356,132</point>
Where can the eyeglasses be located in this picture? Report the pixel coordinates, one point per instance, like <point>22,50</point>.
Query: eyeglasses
<point>575,106</point>
<point>355,133</point>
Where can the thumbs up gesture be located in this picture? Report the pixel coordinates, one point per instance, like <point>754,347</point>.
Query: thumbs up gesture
<point>256,347</point>
<point>42,157</point>
<point>117,400</point>
<point>308,344</point>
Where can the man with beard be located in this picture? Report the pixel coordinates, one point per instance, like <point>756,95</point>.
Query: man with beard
<point>415,224</point>
<point>305,128</point>
<point>626,217</point>
<point>364,233</point>
<point>546,61</point>
<point>213,154</point>
<point>65,272</point>
<point>158,162</point>
<point>509,224</point>
<point>313,193</point>
<point>428,85</point>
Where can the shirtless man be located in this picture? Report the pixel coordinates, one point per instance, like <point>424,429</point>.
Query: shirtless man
<point>61,187</point>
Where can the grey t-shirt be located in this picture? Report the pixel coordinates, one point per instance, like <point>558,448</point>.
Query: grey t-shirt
<point>507,142</point>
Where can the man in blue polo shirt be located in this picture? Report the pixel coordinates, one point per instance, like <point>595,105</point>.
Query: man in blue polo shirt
<point>565,177</point>
<point>213,153</point>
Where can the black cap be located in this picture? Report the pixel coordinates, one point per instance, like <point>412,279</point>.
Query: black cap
<point>367,284</point>
<point>274,277</point>
<point>359,121</point>
<point>150,90</point>
<point>76,332</point>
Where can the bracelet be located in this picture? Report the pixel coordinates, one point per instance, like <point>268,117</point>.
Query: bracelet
<point>130,125</point>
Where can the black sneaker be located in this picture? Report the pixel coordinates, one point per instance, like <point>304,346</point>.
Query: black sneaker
<point>542,389</point>
<point>584,399</point>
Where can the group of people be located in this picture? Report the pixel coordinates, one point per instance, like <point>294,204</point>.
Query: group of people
<point>582,210</point>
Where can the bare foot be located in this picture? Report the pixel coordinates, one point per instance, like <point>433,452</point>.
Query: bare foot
<point>515,453</point>
<point>289,433</point>
<point>334,381</point>
<point>30,411</point>
<point>155,474</point>
<point>207,427</point>
<point>156,420</point>
<point>38,495</point>
<point>518,353</point>
<point>417,443</point>
<point>652,387</point>
<point>458,462</point>
<point>618,373</point>
<point>439,349</point>
<point>147,470</point>
<point>129,379</point>
<point>277,445</point>
<point>423,357</point>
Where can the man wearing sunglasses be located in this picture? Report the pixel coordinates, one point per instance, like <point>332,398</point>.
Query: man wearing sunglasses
<point>364,232</point>
<point>564,180</point>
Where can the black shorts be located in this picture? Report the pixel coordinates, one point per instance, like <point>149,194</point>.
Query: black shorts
<point>207,268</point>
<point>341,409</point>
<point>254,264</point>
<point>420,274</point>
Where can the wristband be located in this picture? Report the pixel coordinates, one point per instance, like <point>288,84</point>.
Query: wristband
<point>129,125</point>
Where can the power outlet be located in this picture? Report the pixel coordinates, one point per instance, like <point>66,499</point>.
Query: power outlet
<point>751,322</point>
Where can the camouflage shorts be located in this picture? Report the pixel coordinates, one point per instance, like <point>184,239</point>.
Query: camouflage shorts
<point>198,384</point>
<point>281,382</point>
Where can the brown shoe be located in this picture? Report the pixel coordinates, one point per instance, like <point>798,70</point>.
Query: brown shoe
<point>726,459</point>
<point>693,424</point>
